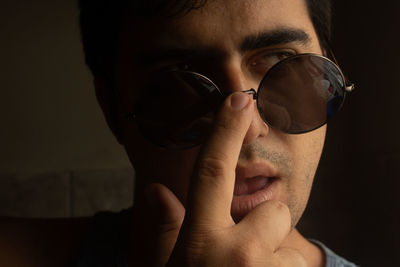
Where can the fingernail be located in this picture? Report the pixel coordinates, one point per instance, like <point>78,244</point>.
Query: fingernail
<point>239,100</point>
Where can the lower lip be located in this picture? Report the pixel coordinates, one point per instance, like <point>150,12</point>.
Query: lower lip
<point>243,204</point>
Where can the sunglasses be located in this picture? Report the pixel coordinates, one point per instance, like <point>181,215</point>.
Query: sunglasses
<point>176,109</point>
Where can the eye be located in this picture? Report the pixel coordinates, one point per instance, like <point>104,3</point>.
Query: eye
<point>262,62</point>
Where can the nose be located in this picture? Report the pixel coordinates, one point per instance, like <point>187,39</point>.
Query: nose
<point>235,80</point>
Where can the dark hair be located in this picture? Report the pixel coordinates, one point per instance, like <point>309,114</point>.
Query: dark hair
<point>321,16</point>
<point>100,23</point>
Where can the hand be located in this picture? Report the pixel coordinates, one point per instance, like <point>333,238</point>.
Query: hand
<point>209,236</point>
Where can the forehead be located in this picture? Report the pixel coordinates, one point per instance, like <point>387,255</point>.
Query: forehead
<point>222,23</point>
<point>231,19</point>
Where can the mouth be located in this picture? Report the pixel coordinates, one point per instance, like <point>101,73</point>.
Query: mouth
<point>250,191</point>
<point>246,187</point>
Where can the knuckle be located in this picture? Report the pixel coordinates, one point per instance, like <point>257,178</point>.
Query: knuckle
<point>212,166</point>
<point>299,259</point>
<point>242,260</point>
<point>247,254</point>
<point>169,227</point>
<point>290,257</point>
<point>278,206</point>
<point>276,213</point>
<point>226,126</point>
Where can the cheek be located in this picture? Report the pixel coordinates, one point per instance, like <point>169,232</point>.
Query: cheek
<point>306,151</point>
<point>308,147</point>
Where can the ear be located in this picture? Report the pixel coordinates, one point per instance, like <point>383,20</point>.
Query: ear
<point>107,100</point>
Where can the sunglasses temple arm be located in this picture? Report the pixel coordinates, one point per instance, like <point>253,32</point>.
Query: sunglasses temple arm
<point>349,87</point>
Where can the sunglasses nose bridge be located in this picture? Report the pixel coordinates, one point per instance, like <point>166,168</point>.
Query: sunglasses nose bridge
<point>258,127</point>
<point>252,92</point>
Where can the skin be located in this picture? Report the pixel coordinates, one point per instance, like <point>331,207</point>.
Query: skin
<point>230,72</point>
<point>164,177</point>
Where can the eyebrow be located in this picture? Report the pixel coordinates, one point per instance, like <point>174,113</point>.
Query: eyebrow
<point>252,42</point>
<point>274,37</point>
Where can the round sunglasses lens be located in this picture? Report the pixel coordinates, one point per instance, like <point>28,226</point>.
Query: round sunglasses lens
<point>300,93</point>
<point>176,109</point>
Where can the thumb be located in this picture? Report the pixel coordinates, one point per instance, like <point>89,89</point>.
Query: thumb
<point>167,214</point>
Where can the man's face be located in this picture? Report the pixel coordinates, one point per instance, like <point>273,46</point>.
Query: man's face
<point>233,43</point>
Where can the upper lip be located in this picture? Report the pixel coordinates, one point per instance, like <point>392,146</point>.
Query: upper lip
<point>255,169</point>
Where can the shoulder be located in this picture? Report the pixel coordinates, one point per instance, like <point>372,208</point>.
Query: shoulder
<point>331,258</point>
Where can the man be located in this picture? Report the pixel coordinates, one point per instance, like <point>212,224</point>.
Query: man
<point>230,195</point>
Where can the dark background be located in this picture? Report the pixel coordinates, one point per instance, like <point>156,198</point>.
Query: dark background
<point>355,202</point>
<point>52,128</point>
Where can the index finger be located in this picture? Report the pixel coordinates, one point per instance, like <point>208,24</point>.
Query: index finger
<point>211,188</point>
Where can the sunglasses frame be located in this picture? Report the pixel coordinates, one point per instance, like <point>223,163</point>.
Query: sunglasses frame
<point>347,88</point>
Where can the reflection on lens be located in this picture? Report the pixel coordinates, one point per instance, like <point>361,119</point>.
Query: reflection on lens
<point>300,93</point>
